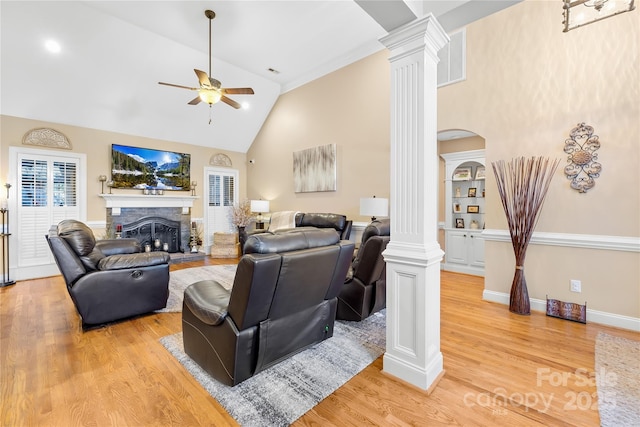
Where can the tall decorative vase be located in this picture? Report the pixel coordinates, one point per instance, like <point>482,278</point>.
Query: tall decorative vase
<point>522,186</point>
<point>242,237</point>
<point>519,297</point>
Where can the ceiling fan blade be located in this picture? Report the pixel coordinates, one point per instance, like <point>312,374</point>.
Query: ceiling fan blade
<point>202,78</point>
<point>237,90</point>
<point>231,102</point>
<point>195,101</point>
<point>180,86</point>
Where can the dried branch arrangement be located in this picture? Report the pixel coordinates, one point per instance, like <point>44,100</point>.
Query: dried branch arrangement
<point>522,186</point>
<point>240,213</point>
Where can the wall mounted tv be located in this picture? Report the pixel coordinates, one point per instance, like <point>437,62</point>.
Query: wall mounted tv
<point>133,167</point>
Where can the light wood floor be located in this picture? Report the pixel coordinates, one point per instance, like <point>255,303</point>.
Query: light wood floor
<point>500,369</point>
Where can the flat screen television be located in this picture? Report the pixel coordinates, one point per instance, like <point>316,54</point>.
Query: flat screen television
<point>134,167</point>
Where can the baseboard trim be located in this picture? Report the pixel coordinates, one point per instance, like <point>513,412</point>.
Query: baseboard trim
<point>422,378</point>
<point>35,272</point>
<point>587,241</point>
<point>595,316</point>
<point>474,271</point>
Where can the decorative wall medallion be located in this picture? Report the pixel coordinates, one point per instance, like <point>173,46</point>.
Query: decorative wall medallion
<point>220,160</point>
<point>583,167</point>
<point>46,137</point>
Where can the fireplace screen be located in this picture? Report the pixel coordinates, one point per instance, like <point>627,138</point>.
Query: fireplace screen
<point>149,229</point>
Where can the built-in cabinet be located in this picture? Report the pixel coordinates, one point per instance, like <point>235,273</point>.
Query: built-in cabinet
<point>464,211</point>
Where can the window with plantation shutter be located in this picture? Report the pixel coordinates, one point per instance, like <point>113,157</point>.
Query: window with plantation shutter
<point>47,193</point>
<point>33,177</point>
<point>229,190</point>
<point>215,190</point>
<point>222,194</point>
<point>64,184</point>
<point>221,190</point>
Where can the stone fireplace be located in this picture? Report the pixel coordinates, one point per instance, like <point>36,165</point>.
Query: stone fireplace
<point>150,217</point>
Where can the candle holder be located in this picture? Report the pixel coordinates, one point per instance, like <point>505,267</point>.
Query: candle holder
<point>102,179</point>
<point>5,235</point>
<point>194,184</point>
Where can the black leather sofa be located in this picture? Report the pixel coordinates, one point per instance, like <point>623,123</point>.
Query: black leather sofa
<point>338,222</point>
<point>283,300</point>
<point>302,220</point>
<point>365,290</point>
<point>108,279</point>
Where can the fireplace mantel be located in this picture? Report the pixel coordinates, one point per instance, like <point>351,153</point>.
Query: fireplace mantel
<point>118,201</point>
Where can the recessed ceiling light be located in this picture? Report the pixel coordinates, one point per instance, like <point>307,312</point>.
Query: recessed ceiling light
<point>52,46</point>
<point>245,105</point>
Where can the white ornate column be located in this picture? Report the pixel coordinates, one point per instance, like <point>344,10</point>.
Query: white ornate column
<point>413,255</point>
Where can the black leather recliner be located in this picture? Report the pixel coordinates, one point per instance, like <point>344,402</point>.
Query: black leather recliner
<point>283,300</point>
<point>365,290</point>
<point>108,279</point>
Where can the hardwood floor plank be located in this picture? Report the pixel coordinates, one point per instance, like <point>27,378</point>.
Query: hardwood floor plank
<point>501,369</point>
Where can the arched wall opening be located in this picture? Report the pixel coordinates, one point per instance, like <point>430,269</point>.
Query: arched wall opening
<point>452,141</point>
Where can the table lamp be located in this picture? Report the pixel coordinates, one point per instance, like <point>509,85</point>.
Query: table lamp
<point>374,206</point>
<point>260,206</point>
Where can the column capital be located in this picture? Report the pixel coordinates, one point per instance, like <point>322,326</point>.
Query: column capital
<point>425,32</point>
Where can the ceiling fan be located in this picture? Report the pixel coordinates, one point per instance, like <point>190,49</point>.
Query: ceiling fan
<point>210,90</point>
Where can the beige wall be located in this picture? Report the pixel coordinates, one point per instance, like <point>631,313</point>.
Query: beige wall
<point>96,144</point>
<point>350,108</point>
<point>528,84</point>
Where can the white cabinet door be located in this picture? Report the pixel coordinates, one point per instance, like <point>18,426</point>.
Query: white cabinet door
<point>476,250</point>
<point>464,252</point>
<point>456,247</point>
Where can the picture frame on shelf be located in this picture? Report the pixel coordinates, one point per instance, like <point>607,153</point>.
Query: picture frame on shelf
<point>480,173</point>
<point>473,191</point>
<point>459,222</point>
<point>462,174</point>
<point>473,209</point>
<point>457,207</point>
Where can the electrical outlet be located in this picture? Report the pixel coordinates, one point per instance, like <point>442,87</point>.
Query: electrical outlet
<point>576,286</point>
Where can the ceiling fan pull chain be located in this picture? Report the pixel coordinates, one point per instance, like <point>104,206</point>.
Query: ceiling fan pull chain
<point>210,113</point>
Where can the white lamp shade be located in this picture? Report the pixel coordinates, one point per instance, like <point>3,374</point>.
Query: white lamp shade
<point>374,206</point>
<point>260,206</point>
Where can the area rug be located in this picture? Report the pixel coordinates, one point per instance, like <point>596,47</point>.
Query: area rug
<point>180,279</point>
<point>281,394</point>
<point>618,380</point>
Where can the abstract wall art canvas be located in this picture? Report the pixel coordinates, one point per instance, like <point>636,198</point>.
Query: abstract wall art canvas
<point>314,169</point>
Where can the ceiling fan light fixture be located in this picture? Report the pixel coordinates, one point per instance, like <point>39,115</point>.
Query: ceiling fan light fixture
<point>210,96</point>
<point>211,90</point>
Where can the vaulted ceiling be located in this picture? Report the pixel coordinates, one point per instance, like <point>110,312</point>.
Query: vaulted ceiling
<point>114,53</point>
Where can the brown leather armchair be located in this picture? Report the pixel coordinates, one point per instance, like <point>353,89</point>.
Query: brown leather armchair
<point>364,291</point>
<point>108,279</point>
<point>283,300</point>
